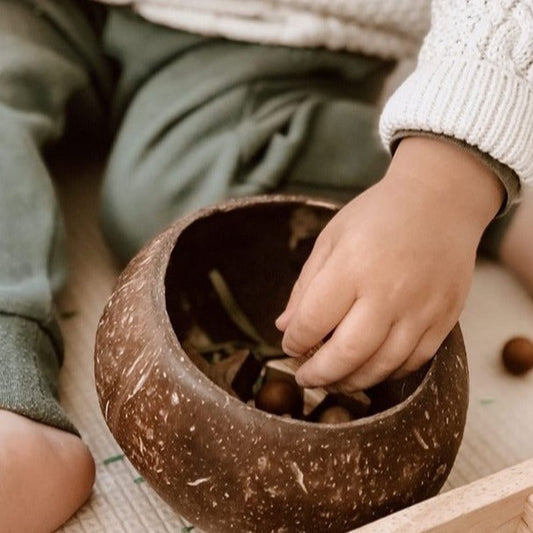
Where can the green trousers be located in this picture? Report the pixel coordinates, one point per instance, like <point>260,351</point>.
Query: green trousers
<point>195,120</point>
<point>42,68</point>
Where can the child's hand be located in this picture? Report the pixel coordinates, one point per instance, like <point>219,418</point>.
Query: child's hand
<point>389,274</point>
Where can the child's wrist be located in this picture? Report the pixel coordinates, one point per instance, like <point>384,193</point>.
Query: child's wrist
<point>450,175</point>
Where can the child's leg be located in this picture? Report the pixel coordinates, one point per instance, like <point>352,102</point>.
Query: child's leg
<point>516,249</point>
<point>209,119</point>
<point>46,472</point>
<point>509,239</point>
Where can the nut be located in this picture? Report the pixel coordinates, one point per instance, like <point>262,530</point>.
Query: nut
<point>280,397</point>
<point>335,415</point>
<point>517,355</point>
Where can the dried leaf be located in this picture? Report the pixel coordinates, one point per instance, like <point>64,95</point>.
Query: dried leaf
<point>232,307</point>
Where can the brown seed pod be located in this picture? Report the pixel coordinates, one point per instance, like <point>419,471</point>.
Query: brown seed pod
<point>517,355</point>
<point>335,415</point>
<point>279,397</point>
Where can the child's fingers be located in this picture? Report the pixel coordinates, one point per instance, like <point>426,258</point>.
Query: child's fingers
<point>359,335</point>
<point>426,349</point>
<point>321,307</point>
<point>313,264</point>
<point>402,340</point>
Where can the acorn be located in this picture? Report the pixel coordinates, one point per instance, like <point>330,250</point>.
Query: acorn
<point>517,355</point>
<point>280,397</point>
<point>335,415</point>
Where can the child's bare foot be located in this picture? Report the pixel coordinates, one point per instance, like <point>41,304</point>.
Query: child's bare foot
<point>45,475</point>
<point>516,250</point>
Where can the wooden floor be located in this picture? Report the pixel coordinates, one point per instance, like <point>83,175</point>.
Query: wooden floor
<point>499,431</point>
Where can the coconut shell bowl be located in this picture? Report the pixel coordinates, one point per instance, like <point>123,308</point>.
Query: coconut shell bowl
<point>194,387</point>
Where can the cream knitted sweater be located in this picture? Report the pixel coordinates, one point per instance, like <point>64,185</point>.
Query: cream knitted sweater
<point>474,76</point>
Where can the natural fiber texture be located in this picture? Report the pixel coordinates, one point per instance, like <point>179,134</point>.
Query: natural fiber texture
<point>499,430</point>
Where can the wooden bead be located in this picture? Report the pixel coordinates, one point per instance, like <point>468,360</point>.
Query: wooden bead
<point>335,415</point>
<point>517,355</point>
<point>280,397</point>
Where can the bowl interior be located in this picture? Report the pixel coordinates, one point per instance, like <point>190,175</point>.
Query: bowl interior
<point>256,251</point>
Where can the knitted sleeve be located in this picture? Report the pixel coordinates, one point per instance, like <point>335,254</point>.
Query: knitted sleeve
<point>473,81</point>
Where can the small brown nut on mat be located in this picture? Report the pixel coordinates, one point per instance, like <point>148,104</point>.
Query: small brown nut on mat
<point>517,355</point>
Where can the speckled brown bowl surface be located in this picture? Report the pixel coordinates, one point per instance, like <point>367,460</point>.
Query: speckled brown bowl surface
<point>229,467</point>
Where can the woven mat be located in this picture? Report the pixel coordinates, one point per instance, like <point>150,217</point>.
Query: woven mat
<point>499,431</point>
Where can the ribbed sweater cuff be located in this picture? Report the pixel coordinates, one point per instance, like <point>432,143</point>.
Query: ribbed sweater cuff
<point>475,102</point>
<point>29,367</point>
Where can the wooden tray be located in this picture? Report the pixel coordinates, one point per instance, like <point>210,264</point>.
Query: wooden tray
<point>500,503</point>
